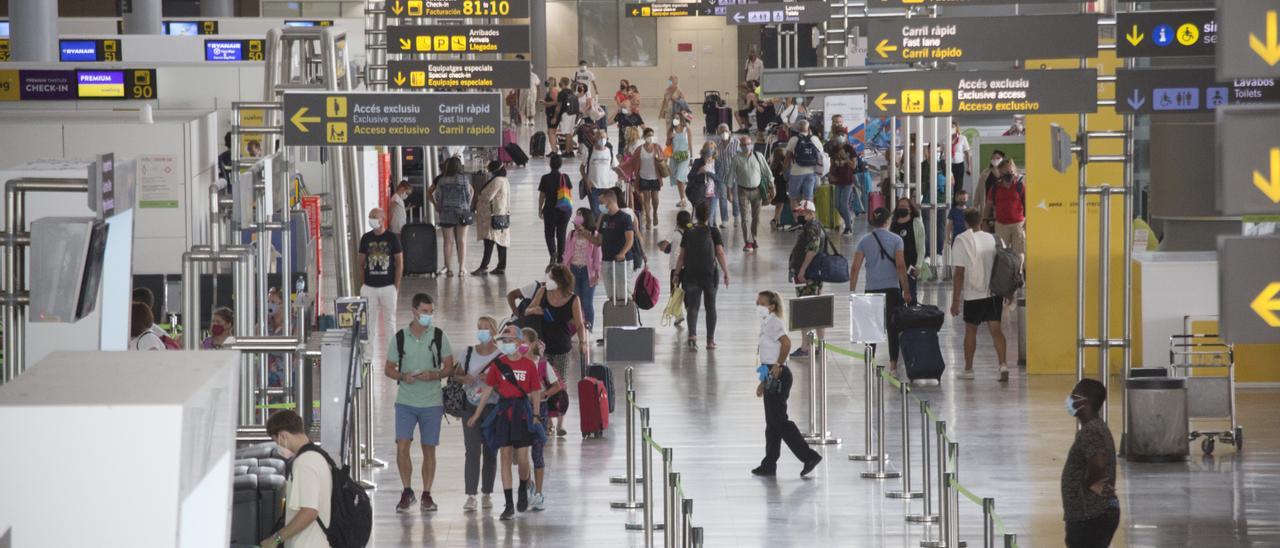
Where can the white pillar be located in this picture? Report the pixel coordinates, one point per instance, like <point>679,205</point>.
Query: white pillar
<point>142,17</point>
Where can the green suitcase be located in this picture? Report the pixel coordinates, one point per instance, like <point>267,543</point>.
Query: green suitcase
<point>824,200</point>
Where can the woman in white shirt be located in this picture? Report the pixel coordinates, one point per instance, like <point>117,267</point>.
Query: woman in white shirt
<point>141,336</point>
<point>474,361</point>
<point>775,388</point>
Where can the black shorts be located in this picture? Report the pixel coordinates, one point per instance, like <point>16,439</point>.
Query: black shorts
<point>985,310</point>
<point>650,185</point>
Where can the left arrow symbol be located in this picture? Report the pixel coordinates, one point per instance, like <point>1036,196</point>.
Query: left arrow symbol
<point>300,118</point>
<point>884,100</point>
<point>883,48</point>
<point>737,18</point>
<point>1265,305</point>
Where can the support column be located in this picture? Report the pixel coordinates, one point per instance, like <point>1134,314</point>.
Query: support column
<point>142,17</point>
<point>538,37</point>
<point>33,29</point>
<point>217,8</point>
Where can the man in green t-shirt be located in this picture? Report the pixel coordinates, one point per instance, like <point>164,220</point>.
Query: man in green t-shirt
<point>418,357</point>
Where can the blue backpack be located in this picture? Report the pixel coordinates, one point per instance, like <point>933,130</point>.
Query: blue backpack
<point>807,154</point>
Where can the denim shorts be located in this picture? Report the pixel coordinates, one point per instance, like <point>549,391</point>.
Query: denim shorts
<point>801,187</point>
<point>427,419</point>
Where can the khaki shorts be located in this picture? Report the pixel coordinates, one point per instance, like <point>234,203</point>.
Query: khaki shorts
<point>1013,235</point>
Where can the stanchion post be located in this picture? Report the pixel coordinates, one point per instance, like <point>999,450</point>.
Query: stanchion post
<point>925,458</point>
<point>880,472</point>
<point>813,433</point>
<point>868,377</point>
<point>988,523</point>
<point>906,492</point>
<point>686,520</point>
<point>820,436</point>
<point>669,528</point>
<point>629,478</point>
<point>366,389</point>
<point>697,537</point>
<point>953,495</point>
<point>646,463</point>
<point>944,489</point>
<point>1010,540</point>
<point>673,528</point>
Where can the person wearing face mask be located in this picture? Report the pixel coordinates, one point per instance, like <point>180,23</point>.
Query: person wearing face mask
<point>679,142</point>
<point>600,171</point>
<point>701,188</point>
<point>1090,506</point>
<point>616,238</point>
<point>451,193</point>
<point>644,163</point>
<point>275,328</point>
<point>908,225</point>
<point>670,96</point>
<point>221,329</point>
<point>555,204</point>
<point>554,400</point>
<point>1018,127</point>
<point>584,77</point>
<point>804,152</point>
<point>400,211</point>
<point>493,219</point>
<point>843,177</point>
<point>1007,204</point>
<point>775,389</point>
<point>956,224</point>
<point>380,269</point>
<point>621,97</point>
<point>746,171</point>
<point>987,179</point>
<point>726,195</point>
<point>418,357</point>
<point>481,462</point>
<point>961,156</point>
<point>512,426</point>
<point>562,319</point>
<point>529,95</point>
<point>584,258</point>
<point>975,255</point>
<point>701,250</point>
<point>881,251</point>
<point>754,68</point>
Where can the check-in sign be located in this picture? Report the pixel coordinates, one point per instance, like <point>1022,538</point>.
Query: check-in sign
<point>1250,42</point>
<point>1249,289</point>
<point>1249,160</point>
<point>962,93</point>
<point>451,74</point>
<point>393,119</point>
<point>458,39</point>
<point>982,38</point>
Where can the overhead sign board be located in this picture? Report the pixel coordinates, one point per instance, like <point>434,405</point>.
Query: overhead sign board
<point>223,51</point>
<point>1250,39</point>
<point>961,93</point>
<point>74,50</point>
<point>515,9</point>
<point>4,49</point>
<point>458,39</point>
<point>308,22</point>
<point>125,84</point>
<point>1166,33</point>
<point>181,28</point>
<point>1248,143</point>
<point>449,74</point>
<point>1249,289</point>
<point>663,9</point>
<point>1171,90</point>
<point>393,119</point>
<point>982,38</point>
<point>778,12</point>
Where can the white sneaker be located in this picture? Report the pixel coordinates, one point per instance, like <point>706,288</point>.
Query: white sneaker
<point>967,375</point>
<point>537,504</point>
<point>470,505</point>
<point>486,502</point>
<point>1004,373</point>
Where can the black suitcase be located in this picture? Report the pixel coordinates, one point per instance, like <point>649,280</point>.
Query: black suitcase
<point>725,116</point>
<point>921,353</point>
<point>418,241</point>
<point>517,154</point>
<point>538,145</point>
<point>918,316</point>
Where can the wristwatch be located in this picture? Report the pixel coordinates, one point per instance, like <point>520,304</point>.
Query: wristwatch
<point>279,540</point>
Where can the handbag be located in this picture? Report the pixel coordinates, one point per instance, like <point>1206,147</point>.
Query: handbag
<point>766,177</point>
<point>664,168</point>
<point>675,306</point>
<point>499,222</point>
<point>828,267</point>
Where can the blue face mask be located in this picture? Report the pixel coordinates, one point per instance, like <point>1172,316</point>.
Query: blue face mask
<point>507,348</point>
<point>424,320</point>
<point>1071,406</point>
<point>484,336</point>
<point>603,209</point>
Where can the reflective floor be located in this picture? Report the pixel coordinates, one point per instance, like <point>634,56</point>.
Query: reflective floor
<point>1013,438</point>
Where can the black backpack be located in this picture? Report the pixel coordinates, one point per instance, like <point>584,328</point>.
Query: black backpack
<point>807,154</point>
<point>350,514</point>
<point>700,253</point>
<point>435,348</point>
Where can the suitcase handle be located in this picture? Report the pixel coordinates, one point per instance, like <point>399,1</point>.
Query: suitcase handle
<point>626,282</point>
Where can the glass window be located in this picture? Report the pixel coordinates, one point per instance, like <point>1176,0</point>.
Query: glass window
<point>608,38</point>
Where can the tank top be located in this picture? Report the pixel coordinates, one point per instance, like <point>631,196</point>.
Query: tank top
<point>555,325</point>
<point>647,169</point>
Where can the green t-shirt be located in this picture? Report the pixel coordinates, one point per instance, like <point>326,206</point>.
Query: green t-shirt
<point>419,356</point>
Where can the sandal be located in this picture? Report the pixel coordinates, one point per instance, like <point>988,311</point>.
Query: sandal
<point>711,344</point>
<point>692,343</point>
<point>448,273</point>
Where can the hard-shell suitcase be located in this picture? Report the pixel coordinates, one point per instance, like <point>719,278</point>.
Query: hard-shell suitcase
<point>538,145</point>
<point>603,374</point>
<point>418,241</point>
<point>724,115</point>
<point>921,353</point>
<point>917,316</point>
<point>623,313</point>
<point>828,215</point>
<point>594,398</point>
<point>516,154</point>
<point>875,201</point>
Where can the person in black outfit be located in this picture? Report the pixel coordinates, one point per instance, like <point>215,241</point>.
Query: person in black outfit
<point>225,169</point>
<point>555,221</point>
<point>905,217</point>
<point>1090,507</point>
<point>775,388</point>
<point>700,249</point>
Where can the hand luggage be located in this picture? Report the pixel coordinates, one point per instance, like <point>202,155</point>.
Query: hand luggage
<point>604,374</point>
<point>921,354</point>
<point>724,115</point>
<point>917,316</point>
<point>538,145</point>
<point>621,314</point>
<point>418,241</point>
<point>629,345</point>
<point>257,507</point>
<point>594,402</point>
<point>647,290</point>
<point>875,201</point>
<point>828,215</point>
<point>515,154</point>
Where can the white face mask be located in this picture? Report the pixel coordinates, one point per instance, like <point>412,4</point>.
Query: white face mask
<point>375,224</point>
<point>762,311</point>
<point>995,163</point>
<point>648,140</point>
<point>220,183</point>
<point>552,285</point>
<point>724,136</point>
<point>603,142</point>
<point>676,122</point>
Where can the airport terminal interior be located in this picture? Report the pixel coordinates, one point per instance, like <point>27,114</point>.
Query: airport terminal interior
<point>723,273</point>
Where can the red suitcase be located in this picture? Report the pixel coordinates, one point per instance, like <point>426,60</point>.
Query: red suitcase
<point>593,406</point>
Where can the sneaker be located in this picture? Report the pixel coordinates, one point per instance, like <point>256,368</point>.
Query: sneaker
<point>507,513</point>
<point>429,504</point>
<point>809,466</point>
<point>538,503</point>
<point>747,248</point>
<point>800,353</point>
<point>470,505</point>
<point>755,246</point>
<point>522,500</point>
<point>486,501</point>
<point>967,375</point>
<point>560,433</point>
<point>406,500</point>
<point>1004,373</point>
<point>763,472</point>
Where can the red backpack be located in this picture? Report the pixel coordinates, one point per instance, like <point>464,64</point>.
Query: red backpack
<point>647,292</point>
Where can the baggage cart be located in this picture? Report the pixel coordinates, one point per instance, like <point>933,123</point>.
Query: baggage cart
<point>1208,364</point>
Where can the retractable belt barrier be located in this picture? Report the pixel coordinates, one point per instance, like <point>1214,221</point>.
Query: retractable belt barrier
<point>945,462</point>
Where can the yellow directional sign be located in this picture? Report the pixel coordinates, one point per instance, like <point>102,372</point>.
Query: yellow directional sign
<point>399,79</point>
<point>300,119</point>
<point>1269,50</point>
<point>393,119</point>
<point>1270,184</point>
<point>1267,304</point>
<point>397,8</point>
<point>1249,289</point>
<point>1135,36</point>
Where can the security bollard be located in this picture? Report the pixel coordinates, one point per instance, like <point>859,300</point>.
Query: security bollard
<point>671,529</point>
<point>686,520</point>
<point>953,495</point>
<point>988,523</point>
<point>868,358</point>
<point>906,492</point>
<point>943,492</point>
<point>629,479</point>
<point>880,472</point>
<point>925,457</point>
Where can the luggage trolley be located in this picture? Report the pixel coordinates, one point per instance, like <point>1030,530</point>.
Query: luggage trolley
<point>1209,397</point>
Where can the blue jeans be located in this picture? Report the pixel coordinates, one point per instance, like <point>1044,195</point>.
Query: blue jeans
<point>724,196</point>
<point>844,200</point>
<point>586,293</point>
<point>801,186</point>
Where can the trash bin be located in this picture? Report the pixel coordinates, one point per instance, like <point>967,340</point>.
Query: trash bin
<point>1157,419</point>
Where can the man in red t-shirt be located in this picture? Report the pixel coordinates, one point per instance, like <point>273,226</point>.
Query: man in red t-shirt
<point>1007,203</point>
<point>515,377</point>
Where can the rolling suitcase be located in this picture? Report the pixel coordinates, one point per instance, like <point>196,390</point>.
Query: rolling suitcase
<point>594,401</point>
<point>538,145</point>
<point>622,314</point>
<point>921,353</point>
<point>418,241</point>
<point>516,154</point>
<point>875,201</point>
<point>824,199</point>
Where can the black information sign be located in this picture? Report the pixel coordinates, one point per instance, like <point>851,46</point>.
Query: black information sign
<point>515,9</point>
<point>1251,39</point>
<point>458,39</point>
<point>982,38</point>
<point>393,119</point>
<point>1166,33</point>
<point>777,12</point>
<point>938,93</point>
<point>1248,141</point>
<point>664,9</point>
<point>1159,90</point>
<point>449,74</point>
<point>1249,306</point>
